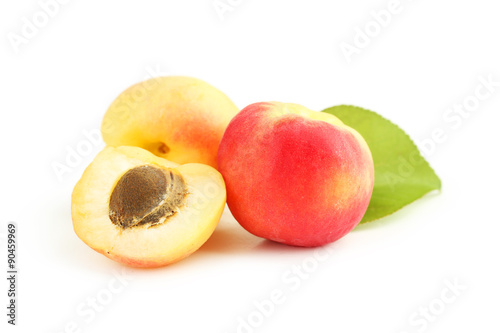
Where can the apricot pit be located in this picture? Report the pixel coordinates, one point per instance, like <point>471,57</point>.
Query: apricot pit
<point>146,195</point>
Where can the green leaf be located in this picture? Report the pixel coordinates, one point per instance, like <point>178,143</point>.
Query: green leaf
<point>402,175</point>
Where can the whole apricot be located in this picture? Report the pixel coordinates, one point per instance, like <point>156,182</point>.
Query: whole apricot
<point>178,118</point>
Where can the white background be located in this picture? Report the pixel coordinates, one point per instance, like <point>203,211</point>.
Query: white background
<point>59,82</point>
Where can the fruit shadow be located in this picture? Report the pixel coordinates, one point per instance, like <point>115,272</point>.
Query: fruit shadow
<point>229,238</point>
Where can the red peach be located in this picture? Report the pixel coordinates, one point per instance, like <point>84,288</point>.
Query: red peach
<point>294,175</point>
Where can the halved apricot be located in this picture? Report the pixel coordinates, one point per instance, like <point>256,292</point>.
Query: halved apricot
<point>144,211</point>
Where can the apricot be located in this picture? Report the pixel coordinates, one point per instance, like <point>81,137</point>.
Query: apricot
<point>144,211</point>
<point>178,118</point>
<point>294,175</point>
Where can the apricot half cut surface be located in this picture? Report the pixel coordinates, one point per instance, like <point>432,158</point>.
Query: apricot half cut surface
<point>145,211</point>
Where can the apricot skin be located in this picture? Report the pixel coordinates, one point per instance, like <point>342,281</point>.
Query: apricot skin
<point>293,175</point>
<point>145,245</point>
<point>178,118</point>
